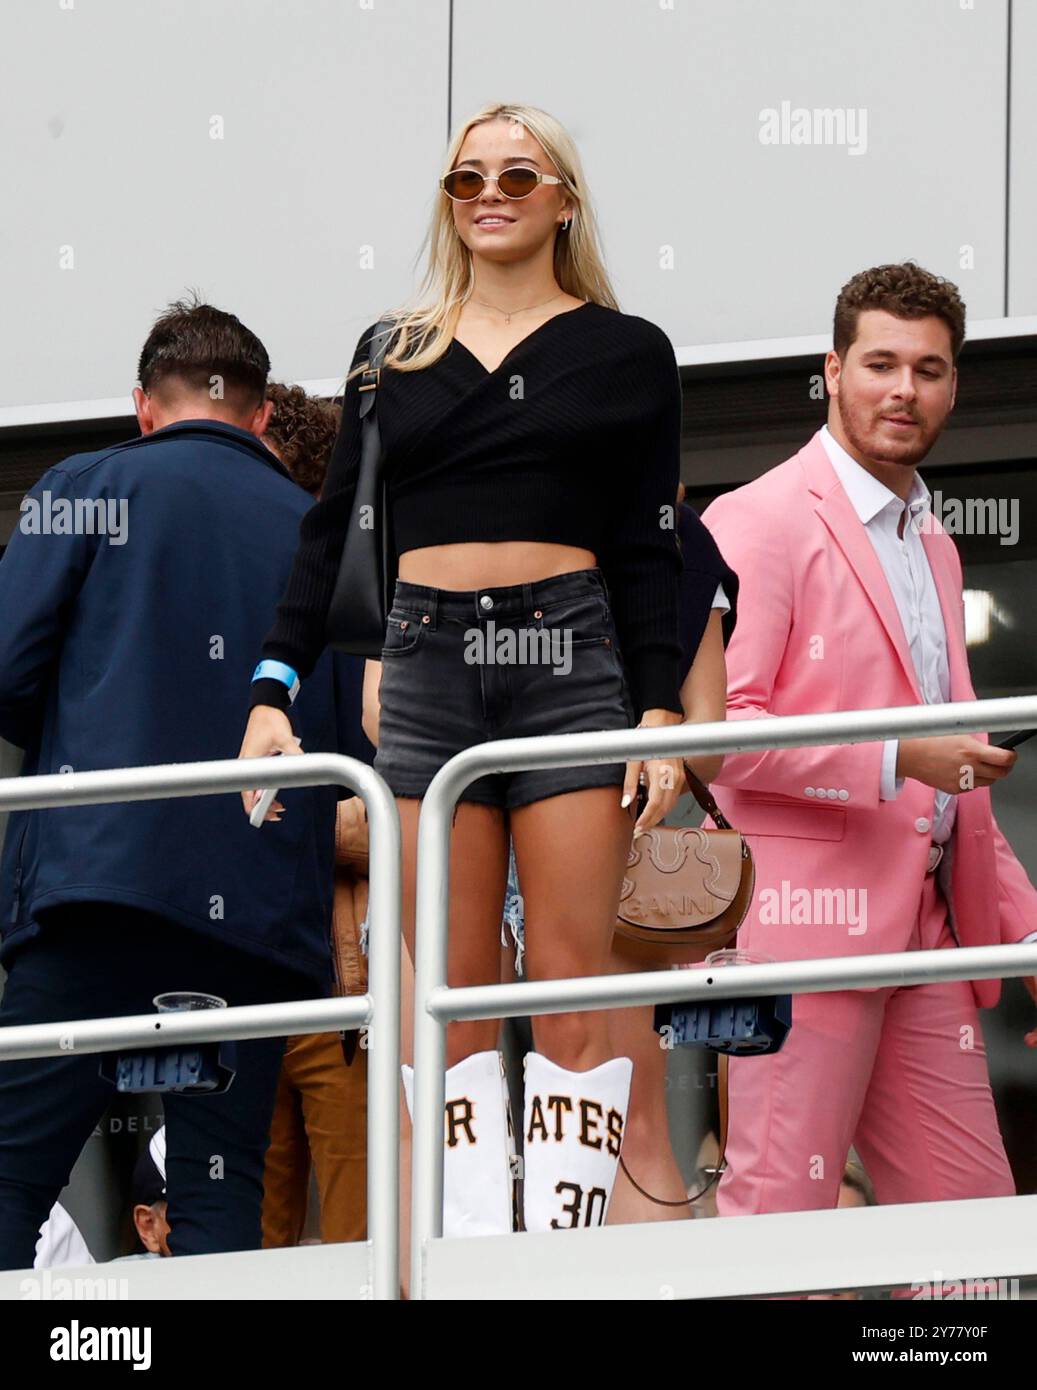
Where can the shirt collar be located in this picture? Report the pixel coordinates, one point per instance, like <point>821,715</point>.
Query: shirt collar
<point>867,495</point>
<point>203,426</point>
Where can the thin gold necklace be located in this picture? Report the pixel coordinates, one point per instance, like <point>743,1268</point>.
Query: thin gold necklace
<point>507,316</point>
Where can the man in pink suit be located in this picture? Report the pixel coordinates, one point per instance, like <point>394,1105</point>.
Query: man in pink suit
<point>851,598</point>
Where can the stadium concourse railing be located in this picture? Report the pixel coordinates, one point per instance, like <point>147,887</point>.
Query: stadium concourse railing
<point>754,1255</point>
<point>728,1258</point>
<point>360,1270</point>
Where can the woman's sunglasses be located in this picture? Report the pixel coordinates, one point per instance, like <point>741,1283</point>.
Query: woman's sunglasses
<point>463,185</point>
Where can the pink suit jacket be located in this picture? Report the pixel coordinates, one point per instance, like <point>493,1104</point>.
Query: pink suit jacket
<point>818,629</point>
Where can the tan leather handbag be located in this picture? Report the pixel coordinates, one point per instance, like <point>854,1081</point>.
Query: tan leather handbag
<point>685,885</point>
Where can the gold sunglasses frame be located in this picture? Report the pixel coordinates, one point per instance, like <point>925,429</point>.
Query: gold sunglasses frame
<point>541,178</point>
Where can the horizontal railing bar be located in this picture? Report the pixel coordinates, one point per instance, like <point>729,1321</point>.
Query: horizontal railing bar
<point>926,1244</point>
<point>733,736</point>
<point>86,1035</point>
<point>166,780</point>
<point>435,1004</point>
<point>732,982</point>
<point>155,783</point>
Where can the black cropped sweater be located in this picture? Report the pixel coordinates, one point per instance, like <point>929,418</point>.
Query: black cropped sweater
<point>574,439</point>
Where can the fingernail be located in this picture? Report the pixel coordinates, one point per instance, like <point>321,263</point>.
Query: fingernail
<point>626,800</point>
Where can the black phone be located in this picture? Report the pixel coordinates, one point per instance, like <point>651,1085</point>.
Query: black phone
<point>1014,740</point>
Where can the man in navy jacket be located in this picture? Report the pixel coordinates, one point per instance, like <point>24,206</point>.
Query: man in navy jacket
<point>134,595</point>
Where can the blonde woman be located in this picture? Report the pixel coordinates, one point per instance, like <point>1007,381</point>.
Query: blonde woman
<point>531,438</point>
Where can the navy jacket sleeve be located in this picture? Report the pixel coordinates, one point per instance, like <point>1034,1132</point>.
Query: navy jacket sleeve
<point>40,576</point>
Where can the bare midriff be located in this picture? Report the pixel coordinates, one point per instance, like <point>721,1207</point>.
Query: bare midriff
<point>491,564</point>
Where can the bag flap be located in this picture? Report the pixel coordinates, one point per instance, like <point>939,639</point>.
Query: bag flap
<point>681,876</point>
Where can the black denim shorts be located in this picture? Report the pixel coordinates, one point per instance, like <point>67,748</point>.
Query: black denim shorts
<point>463,667</point>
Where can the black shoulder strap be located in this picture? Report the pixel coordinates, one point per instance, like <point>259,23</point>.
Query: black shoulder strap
<point>370,375</point>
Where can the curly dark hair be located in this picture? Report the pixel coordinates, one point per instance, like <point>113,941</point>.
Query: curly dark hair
<point>303,429</point>
<point>908,292</point>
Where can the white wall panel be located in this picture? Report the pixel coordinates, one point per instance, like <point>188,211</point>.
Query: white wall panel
<point>334,120</point>
<point>1022,252</point>
<point>665,101</point>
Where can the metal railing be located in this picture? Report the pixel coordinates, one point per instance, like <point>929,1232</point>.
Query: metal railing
<point>436,1005</point>
<point>378,1010</point>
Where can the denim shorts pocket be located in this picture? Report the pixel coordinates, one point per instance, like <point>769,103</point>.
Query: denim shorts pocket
<point>402,634</point>
<point>579,622</point>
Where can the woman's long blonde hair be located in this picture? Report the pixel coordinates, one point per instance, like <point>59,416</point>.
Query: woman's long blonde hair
<point>578,264</point>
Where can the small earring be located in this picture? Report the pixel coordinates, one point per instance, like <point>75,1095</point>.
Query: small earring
<point>565,225</point>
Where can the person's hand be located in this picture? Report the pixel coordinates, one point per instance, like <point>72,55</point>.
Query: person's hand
<point>663,777</point>
<point>269,731</point>
<point>953,763</point>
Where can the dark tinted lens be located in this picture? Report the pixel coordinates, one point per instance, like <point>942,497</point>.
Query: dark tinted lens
<point>463,183</point>
<point>517,183</point>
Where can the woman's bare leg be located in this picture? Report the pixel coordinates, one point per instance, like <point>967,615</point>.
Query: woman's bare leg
<point>571,852</point>
<point>647,1152</point>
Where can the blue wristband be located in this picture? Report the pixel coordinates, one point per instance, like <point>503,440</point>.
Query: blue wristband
<point>278,671</point>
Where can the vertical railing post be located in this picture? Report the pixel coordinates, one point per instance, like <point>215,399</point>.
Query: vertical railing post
<point>383,1035</point>
<point>383,1040</point>
<point>430,975</point>
<point>579,750</point>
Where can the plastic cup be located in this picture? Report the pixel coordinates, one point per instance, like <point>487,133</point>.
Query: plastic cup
<point>731,955</point>
<point>179,1001</point>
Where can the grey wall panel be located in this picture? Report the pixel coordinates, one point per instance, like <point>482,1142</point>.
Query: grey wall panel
<point>1022,251</point>
<point>334,117</point>
<point>665,103</point>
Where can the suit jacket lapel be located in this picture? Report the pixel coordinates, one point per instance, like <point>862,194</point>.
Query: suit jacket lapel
<point>836,512</point>
<point>953,612</point>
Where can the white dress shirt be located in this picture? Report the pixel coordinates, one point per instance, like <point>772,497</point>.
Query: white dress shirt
<point>906,567</point>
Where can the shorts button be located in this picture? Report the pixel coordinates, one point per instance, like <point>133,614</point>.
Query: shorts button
<point>425,618</point>
<point>537,613</point>
<point>404,626</point>
<point>486,601</point>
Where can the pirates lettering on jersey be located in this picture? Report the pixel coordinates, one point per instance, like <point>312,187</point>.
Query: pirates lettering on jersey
<point>591,1113</point>
<point>459,1116</point>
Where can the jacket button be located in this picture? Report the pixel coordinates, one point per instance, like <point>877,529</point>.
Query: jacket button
<point>425,618</point>
<point>809,791</point>
<point>844,795</point>
<point>922,825</point>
